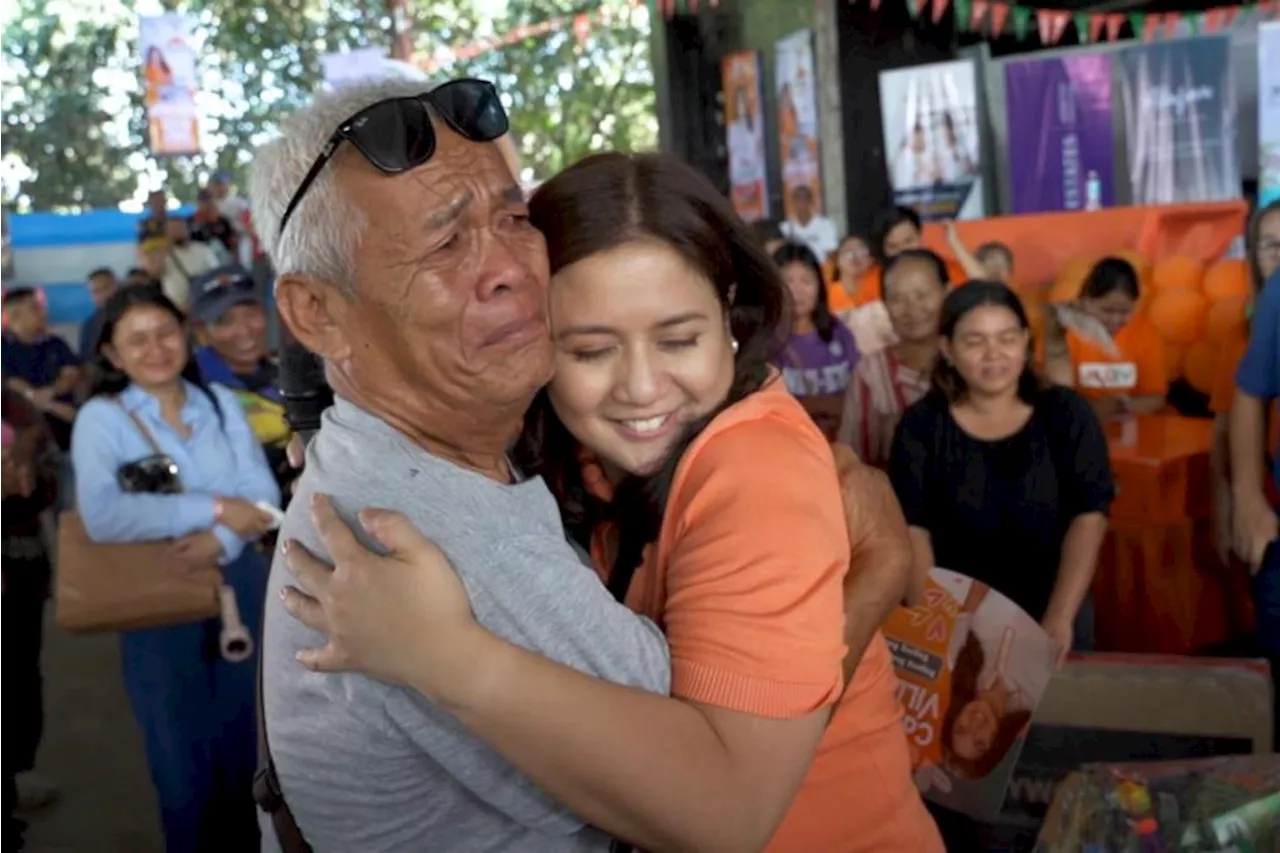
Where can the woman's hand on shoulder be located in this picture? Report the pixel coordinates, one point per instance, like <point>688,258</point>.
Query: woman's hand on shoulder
<point>403,617</point>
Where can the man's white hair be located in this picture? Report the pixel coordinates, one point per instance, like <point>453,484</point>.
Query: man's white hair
<point>325,228</point>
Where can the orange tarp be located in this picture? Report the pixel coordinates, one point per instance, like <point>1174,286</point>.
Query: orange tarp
<point>1042,243</point>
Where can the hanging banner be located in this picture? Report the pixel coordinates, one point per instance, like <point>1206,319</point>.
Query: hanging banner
<point>166,44</point>
<point>930,117</point>
<point>740,75</point>
<point>1059,119</point>
<point>1268,112</point>
<point>797,89</point>
<point>1179,105</point>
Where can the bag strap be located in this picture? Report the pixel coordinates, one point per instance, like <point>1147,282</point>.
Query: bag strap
<point>266,784</point>
<point>142,428</point>
<point>173,257</point>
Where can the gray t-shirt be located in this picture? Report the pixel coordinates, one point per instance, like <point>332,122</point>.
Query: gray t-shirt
<point>370,767</point>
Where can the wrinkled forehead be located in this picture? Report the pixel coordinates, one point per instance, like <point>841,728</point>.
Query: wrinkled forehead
<point>460,173</point>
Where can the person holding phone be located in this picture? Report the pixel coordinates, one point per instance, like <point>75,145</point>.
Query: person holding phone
<point>161,455</point>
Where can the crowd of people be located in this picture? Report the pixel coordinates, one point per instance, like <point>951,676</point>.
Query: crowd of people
<point>173,365</point>
<point>622,593</point>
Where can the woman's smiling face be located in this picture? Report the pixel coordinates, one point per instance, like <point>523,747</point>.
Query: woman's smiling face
<point>642,349</point>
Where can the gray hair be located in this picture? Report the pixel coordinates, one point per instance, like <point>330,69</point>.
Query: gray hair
<point>324,229</point>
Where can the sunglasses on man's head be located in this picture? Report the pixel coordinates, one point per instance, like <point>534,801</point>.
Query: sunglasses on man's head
<point>397,135</point>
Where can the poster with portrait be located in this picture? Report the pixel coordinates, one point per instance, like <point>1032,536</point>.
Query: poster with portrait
<point>798,142</point>
<point>166,44</point>
<point>1268,112</point>
<point>1060,133</point>
<point>972,667</point>
<point>740,83</point>
<point>931,141</point>
<point>1179,104</point>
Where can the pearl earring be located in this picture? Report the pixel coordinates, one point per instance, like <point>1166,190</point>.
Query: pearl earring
<point>733,344</point>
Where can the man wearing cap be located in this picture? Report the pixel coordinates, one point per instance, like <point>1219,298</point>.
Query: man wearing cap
<point>231,328</point>
<point>211,227</point>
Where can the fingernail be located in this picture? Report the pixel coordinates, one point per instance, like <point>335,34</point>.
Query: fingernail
<point>284,546</point>
<point>284,593</point>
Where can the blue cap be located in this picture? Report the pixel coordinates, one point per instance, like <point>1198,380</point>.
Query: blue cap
<point>216,292</point>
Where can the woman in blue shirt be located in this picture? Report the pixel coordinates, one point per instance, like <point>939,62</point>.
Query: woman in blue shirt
<point>196,710</point>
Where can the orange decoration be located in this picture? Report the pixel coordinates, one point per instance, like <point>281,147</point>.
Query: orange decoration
<point>1177,273</point>
<point>1179,315</point>
<point>1200,367</point>
<point>1174,355</point>
<point>1066,287</point>
<point>1227,278</point>
<point>1226,320</point>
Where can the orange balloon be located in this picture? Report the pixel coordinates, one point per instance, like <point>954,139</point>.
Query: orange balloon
<point>1200,367</point>
<point>1173,358</point>
<point>1066,287</point>
<point>1226,320</point>
<point>1229,277</point>
<point>1179,315</point>
<point>1177,273</point>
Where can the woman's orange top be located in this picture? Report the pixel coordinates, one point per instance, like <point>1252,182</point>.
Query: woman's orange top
<point>746,579</point>
<point>1138,369</point>
<point>865,291</point>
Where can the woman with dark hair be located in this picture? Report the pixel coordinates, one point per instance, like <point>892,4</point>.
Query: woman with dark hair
<point>160,455</point>
<point>1002,478</point>
<point>895,230</point>
<point>854,296</point>
<point>1121,370</point>
<point>885,383</point>
<point>710,504</point>
<point>820,354</point>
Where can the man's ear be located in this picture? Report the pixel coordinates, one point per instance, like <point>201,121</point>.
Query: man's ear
<point>313,310</point>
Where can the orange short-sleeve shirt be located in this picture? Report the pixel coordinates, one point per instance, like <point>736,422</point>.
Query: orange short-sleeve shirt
<point>1138,369</point>
<point>746,579</point>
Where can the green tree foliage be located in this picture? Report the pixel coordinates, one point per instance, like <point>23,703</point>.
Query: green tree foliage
<point>74,124</point>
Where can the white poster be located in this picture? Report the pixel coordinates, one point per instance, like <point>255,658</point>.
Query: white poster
<point>168,52</point>
<point>1268,112</point>
<point>797,90</point>
<point>931,142</point>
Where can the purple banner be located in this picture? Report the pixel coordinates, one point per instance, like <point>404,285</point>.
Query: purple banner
<point>1060,133</point>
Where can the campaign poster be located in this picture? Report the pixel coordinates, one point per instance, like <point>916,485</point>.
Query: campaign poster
<point>166,44</point>
<point>972,666</point>
<point>1179,104</point>
<point>1268,112</point>
<point>1060,133</point>
<point>740,81</point>
<point>798,142</point>
<point>931,141</point>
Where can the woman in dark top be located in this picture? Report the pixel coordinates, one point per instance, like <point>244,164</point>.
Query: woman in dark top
<point>1001,477</point>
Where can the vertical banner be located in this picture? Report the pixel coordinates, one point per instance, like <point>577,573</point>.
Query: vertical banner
<point>167,47</point>
<point>1179,104</point>
<point>1268,112</point>
<point>744,123</point>
<point>1060,134</point>
<point>930,116</point>
<point>797,90</point>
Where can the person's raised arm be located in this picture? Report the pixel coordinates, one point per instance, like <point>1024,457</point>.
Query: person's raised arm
<point>755,619</point>
<point>972,266</point>
<point>109,513</point>
<point>1257,383</point>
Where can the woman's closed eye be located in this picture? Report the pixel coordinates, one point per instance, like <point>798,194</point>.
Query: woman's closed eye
<point>591,354</point>
<point>679,343</point>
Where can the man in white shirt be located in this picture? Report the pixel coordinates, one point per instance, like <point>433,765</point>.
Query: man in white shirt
<point>807,227</point>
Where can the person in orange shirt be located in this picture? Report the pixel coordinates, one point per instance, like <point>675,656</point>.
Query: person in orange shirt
<point>712,506</point>
<point>851,287</point>
<point>1126,374</point>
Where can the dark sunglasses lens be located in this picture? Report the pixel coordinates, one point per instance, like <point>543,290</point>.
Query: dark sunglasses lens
<point>395,135</point>
<point>473,108</point>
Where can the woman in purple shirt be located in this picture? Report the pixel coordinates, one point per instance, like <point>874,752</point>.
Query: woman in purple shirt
<point>819,356</point>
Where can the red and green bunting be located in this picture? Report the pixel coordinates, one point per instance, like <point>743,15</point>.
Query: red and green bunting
<point>993,19</point>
